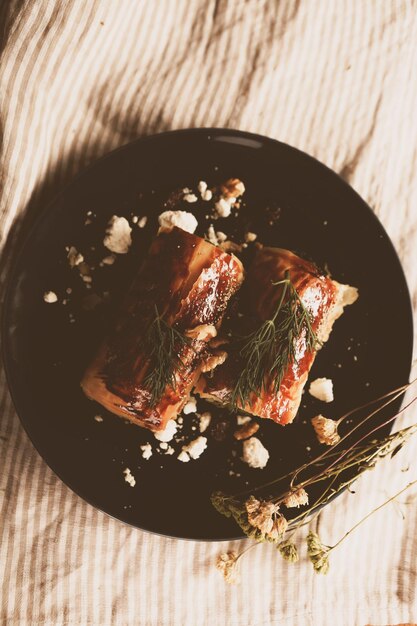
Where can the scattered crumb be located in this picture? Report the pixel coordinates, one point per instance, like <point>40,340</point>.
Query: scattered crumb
<point>196,447</point>
<point>246,431</point>
<point>135,219</point>
<point>50,297</point>
<point>98,418</point>
<point>223,208</point>
<point>232,188</point>
<point>163,445</point>
<point>250,237</point>
<point>205,419</point>
<point>183,456</point>
<point>129,478</point>
<point>221,237</point>
<point>190,407</point>
<point>142,222</point>
<point>322,389</point>
<point>207,195</point>
<point>190,197</point>
<point>118,235</point>
<point>146,451</point>
<point>231,246</point>
<point>109,260</point>
<point>168,433</point>
<point>170,450</point>
<point>74,257</point>
<point>254,453</point>
<point>181,219</point>
<point>202,186</point>
<point>243,419</point>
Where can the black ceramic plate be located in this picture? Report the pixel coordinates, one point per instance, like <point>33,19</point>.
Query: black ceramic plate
<point>292,201</point>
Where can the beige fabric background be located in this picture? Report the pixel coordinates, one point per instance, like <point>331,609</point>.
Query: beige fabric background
<point>336,78</point>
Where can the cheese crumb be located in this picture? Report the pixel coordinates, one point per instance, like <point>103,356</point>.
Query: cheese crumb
<point>181,219</point>
<point>142,222</point>
<point>118,235</point>
<point>135,219</point>
<point>129,478</point>
<point>74,257</point>
<point>146,451</point>
<point>170,450</point>
<point>183,456</point>
<point>190,407</point>
<point>221,236</point>
<point>207,195</point>
<point>223,208</point>
<point>254,453</point>
<point>205,419</point>
<point>322,389</point>
<point>242,419</point>
<point>202,186</point>
<point>109,260</point>
<point>190,197</point>
<point>196,447</point>
<point>168,433</point>
<point>98,418</point>
<point>50,297</point>
<point>250,237</point>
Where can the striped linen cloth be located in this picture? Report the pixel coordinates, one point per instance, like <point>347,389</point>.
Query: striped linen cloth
<point>336,78</point>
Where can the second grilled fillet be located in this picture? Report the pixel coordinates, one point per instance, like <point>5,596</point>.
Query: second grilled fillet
<point>324,299</point>
<point>190,282</point>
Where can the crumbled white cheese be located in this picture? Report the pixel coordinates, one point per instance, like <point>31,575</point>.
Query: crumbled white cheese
<point>190,407</point>
<point>163,445</point>
<point>183,456</point>
<point>207,195</point>
<point>74,257</point>
<point>170,450</point>
<point>168,433</point>
<point>205,419</point>
<point>223,208</point>
<point>135,219</point>
<point>196,447</point>
<point>109,260</point>
<point>211,235</point>
<point>118,235</point>
<point>254,453</point>
<point>50,297</point>
<point>202,186</point>
<point>181,219</point>
<point>242,419</point>
<point>190,197</point>
<point>129,478</point>
<point>221,236</point>
<point>142,222</point>
<point>98,418</point>
<point>250,237</point>
<point>322,389</point>
<point>146,451</point>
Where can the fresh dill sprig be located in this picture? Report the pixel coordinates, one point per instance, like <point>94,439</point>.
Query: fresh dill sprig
<point>269,350</point>
<point>163,348</point>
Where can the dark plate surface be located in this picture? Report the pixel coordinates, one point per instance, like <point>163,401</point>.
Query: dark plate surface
<point>292,201</point>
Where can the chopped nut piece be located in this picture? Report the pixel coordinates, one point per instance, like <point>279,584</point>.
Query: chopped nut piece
<point>233,188</point>
<point>211,362</point>
<point>246,431</point>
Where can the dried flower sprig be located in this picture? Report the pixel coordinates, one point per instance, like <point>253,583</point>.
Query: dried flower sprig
<point>337,468</point>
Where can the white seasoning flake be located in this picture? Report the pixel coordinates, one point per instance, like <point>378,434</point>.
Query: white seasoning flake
<point>129,478</point>
<point>168,433</point>
<point>146,451</point>
<point>183,457</point>
<point>190,197</point>
<point>118,235</point>
<point>322,389</point>
<point>50,297</point>
<point>98,418</point>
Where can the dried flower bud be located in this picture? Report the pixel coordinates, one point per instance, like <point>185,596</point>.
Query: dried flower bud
<point>279,527</point>
<point>227,564</point>
<point>288,551</point>
<point>296,498</point>
<point>260,514</point>
<point>326,430</point>
<point>318,553</point>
